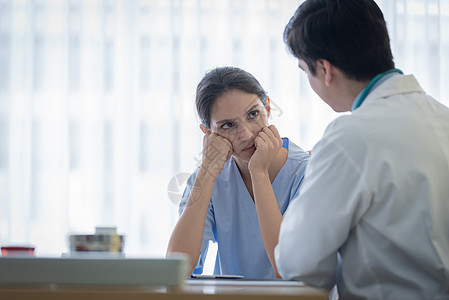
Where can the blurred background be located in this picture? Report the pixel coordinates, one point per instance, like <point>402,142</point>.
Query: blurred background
<point>97,118</point>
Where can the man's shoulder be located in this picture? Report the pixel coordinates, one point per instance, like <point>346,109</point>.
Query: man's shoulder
<point>346,134</point>
<point>343,127</point>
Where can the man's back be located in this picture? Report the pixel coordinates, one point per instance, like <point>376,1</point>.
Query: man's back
<point>404,235</point>
<point>386,202</point>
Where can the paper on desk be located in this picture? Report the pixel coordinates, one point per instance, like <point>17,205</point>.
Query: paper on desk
<point>245,282</point>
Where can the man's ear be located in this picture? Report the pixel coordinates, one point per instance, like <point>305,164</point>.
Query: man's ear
<point>268,107</point>
<point>327,69</point>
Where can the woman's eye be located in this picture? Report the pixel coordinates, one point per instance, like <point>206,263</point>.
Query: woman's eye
<point>253,114</point>
<point>227,125</point>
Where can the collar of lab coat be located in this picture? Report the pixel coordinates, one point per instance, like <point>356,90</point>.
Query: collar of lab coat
<point>398,84</point>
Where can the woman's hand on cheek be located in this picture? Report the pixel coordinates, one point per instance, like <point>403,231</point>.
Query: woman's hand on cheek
<point>216,151</point>
<point>268,143</point>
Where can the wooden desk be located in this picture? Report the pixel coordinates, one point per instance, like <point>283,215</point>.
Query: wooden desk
<point>213,290</point>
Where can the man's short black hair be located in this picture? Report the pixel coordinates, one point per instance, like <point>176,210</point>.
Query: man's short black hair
<point>351,34</point>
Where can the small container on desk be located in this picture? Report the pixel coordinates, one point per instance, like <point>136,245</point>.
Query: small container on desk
<point>105,242</point>
<point>27,251</point>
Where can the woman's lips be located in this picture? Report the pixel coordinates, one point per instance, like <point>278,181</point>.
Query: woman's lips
<point>250,149</point>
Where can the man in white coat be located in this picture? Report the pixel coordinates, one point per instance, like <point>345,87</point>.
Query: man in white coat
<point>372,216</point>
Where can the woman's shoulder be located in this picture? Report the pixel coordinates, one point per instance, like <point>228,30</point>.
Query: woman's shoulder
<point>295,165</point>
<point>296,155</point>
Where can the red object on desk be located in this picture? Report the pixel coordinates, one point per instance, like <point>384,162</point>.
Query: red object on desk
<point>17,251</point>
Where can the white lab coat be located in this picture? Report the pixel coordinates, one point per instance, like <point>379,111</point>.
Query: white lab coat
<point>376,191</point>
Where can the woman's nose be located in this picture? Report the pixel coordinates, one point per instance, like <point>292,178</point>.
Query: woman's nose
<point>244,132</point>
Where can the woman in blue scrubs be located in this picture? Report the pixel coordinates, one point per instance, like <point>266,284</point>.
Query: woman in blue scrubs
<point>246,180</point>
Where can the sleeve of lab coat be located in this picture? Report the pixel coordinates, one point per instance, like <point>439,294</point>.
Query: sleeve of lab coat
<point>333,197</point>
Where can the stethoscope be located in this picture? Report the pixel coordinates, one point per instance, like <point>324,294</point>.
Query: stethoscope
<point>373,81</point>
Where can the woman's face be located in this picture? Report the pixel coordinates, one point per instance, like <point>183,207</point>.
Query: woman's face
<point>239,117</point>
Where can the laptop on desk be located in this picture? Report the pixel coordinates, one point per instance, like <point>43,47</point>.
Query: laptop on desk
<point>170,272</point>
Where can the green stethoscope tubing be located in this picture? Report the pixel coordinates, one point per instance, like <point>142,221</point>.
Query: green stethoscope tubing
<point>370,85</point>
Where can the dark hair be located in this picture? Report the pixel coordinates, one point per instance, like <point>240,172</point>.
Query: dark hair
<point>220,80</point>
<point>351,34</point>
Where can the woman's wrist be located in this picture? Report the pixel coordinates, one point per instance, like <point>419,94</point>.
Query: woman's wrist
<point>259,174</point>
<point>209,172</point>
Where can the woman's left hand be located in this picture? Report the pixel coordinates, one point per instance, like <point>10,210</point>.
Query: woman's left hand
<point>268,143</point>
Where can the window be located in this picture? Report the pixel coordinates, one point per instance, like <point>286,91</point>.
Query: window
<point>97,102</point>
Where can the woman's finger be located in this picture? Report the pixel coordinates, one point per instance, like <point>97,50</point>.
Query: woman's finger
<point>264,136</point>
<point>276,134</point>
<point>270,137</point>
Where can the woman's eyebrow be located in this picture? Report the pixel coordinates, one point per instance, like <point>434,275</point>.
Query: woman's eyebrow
<point>251,108</point>
<point>226,121</point>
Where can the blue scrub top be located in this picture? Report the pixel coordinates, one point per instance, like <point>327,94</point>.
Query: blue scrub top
<point>232,218</point>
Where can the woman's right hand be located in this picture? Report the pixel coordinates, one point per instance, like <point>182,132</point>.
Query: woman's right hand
<point>216,151</point>
<point>188,232</point>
